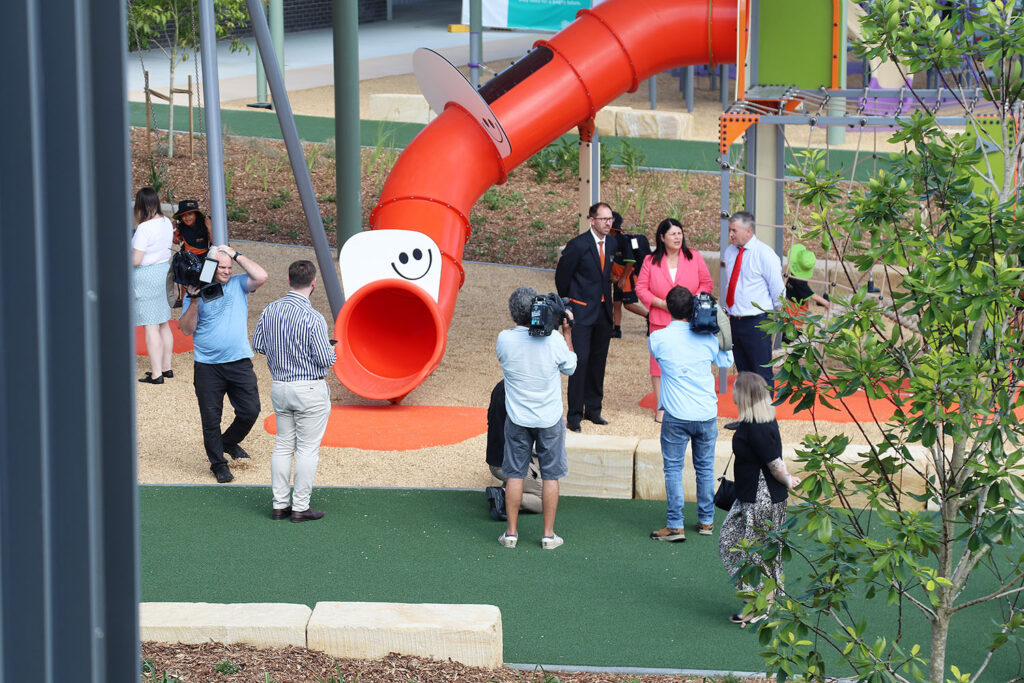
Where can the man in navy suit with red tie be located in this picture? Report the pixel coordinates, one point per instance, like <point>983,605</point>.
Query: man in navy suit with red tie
<point>583,275</point>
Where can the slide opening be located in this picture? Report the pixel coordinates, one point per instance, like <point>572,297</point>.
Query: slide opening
<point>393,336</point>
<point>392,333</point>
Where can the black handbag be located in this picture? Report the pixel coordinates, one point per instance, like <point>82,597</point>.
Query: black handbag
<point>725,496</point>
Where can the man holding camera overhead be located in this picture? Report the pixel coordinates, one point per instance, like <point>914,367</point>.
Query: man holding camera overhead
<point>223,358</point>
<point>531,360</point>
<point>583,275</point>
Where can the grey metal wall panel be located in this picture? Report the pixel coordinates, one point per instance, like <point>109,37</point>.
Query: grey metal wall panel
<point>68,531</point>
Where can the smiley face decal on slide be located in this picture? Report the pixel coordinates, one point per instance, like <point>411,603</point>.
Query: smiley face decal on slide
<point>390,255</point>
<point>417,258</point>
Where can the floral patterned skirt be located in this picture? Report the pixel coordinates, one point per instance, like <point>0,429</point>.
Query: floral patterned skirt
<point>751,521</point>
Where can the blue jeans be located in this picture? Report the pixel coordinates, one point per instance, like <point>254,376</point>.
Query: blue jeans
<point>674,436</point>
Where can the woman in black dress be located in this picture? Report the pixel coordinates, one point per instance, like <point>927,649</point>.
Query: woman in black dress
<point>762,484</point>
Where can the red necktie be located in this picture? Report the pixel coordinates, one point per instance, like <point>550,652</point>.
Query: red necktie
<point>600,248</point>
<point>730,295</point>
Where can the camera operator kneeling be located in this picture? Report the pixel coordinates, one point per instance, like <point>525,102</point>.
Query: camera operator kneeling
<point>533,399</point>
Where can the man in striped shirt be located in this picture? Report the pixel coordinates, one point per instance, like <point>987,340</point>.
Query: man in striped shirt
<point>293,337</point>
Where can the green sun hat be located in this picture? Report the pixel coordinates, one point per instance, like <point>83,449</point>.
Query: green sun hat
<point>801,262</point>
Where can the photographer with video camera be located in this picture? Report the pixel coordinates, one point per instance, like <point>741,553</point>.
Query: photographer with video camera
<point>685,350</point>
<point>531,362</point>
<point>217,318</point>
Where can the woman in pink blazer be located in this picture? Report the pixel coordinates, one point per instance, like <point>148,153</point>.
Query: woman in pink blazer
<point>671,264</point>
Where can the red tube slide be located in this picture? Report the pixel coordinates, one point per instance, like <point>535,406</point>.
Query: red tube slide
<point>392,334</point>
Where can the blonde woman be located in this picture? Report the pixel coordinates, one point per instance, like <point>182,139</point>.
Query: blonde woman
<point>762,484</point>
<point>151,256</point>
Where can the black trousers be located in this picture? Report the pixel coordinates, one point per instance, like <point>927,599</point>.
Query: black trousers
<point>752,348</point>
<point>238,380</point>
<point>586,385</point>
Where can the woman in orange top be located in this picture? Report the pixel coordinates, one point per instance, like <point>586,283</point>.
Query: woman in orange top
<point>671,264</point>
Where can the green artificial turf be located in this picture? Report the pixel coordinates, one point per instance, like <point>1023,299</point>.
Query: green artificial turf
<point>609,597</point>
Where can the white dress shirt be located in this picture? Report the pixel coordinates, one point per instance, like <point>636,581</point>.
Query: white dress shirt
<point>760,279</point>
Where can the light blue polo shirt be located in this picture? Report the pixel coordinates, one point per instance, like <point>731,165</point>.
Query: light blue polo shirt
<point>222,332</point>
<point>687,383</point>
<point>533,385</point>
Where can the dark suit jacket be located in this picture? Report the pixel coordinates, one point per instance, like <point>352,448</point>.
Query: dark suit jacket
<point>579,277</point>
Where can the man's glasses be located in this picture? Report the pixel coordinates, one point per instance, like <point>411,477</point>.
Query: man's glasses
<point>606,220</point>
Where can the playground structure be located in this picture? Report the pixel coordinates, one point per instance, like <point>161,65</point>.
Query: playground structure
<point>393,331</point>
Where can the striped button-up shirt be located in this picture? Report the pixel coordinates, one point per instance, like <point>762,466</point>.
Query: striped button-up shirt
<point>293,337</point>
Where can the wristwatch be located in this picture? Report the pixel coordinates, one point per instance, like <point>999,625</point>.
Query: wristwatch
<point>235,257</point>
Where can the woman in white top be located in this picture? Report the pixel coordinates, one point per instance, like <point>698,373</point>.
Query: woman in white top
<point>151,256</point>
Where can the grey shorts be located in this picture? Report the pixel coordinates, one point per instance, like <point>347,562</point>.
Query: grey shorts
<point>519,446</point>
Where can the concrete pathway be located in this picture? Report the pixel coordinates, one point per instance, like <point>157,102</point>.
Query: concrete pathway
<point>385,49</point>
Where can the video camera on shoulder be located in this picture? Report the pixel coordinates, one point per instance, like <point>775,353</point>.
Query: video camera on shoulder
<point>704,319</point>
<point>191,271</point>
<point>547,312</point>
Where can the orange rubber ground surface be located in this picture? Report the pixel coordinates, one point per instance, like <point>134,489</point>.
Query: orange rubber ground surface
<point>374,428</point>
<point>182,344</point>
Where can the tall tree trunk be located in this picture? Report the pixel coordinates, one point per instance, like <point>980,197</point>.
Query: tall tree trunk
<point>170,108</point>
<point>940,635</point>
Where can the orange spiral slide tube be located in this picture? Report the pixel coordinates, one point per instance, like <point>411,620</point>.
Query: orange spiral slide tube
<point>391,334</point>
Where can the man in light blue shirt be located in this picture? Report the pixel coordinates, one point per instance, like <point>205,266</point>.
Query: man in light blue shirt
<point>532,366</point>
<point>752,277</point>
<point>690,403</point>
<point>223,357</point>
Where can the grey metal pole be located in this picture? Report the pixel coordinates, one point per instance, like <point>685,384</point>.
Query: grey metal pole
<point>475,41</point>
<point>214,140</point>
<point>276,18</point>
<point>652,91</point>
<point>348,176</point>
<point>723,241</point>
<point>723,85</point>
<point>688,92</point>
<point>261,82</point>
<point>283,108</point>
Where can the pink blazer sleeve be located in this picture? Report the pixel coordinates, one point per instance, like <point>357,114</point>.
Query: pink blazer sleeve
<point>703,274</point>
<point>643,284</point>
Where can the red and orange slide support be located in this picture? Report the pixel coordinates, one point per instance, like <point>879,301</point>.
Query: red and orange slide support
<point>391,334</point>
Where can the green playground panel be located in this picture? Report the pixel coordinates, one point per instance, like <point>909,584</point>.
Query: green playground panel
<point>992,159</point>
<point>795,43</point>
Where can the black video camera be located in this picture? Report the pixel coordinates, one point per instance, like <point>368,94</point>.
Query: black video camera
<point>191,271</point>
<point>546,314</point>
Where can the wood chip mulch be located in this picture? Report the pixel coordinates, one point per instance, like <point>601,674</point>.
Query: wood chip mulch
<point>165,663</point>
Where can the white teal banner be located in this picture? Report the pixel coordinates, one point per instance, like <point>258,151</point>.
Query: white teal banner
<point>534,15</point>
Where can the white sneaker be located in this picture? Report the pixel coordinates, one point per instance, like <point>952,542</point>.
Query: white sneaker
<point>551,542</point>
<point>509,540</point>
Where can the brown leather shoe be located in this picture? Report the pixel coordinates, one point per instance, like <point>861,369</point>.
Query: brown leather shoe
<point>306,515</point>
<point>283,513</point>
<point>671,535</point>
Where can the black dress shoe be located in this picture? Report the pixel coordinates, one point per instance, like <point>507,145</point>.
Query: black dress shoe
<point>169,374</point>
<point>496,497</point>
<point>224,475</point>
<point>306,515</point>
<point>573,426</point>
<point>236,452</point>
<point>148,379</point>
<point>596,419</point>
<point>282,513</point>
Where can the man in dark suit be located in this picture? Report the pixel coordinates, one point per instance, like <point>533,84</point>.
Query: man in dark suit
<point>583,275</point>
